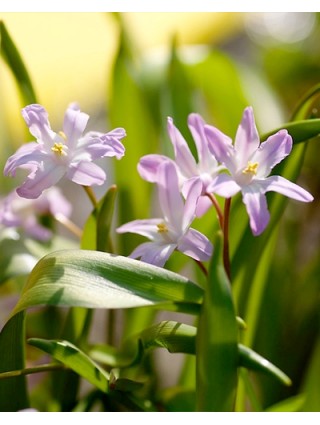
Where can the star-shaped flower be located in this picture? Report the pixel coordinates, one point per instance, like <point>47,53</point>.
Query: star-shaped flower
<point>68,152</point>
<point>250,164</point>
<point>172,231</point>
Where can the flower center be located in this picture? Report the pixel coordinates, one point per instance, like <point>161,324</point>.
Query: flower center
<point>58,148</point>
<point>251,168</point>
<point>162,228</point>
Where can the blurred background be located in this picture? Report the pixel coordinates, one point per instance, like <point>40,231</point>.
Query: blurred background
<point>133,70</point>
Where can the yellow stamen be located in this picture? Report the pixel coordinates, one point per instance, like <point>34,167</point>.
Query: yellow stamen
<point>162,228</point>
<point>251,168</point>
<point>58,149</point>
<point>61,133</point>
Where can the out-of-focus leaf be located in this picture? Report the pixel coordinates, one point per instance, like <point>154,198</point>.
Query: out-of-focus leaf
<point>95,279</point>
<point>13,391</point>
<point>75,359</point>
<point>300,131</point>
<point>252,360</point>
<point>311,388</point>
<point>128,108</point>
<point>292,404</point>
<point>215,77</point>
<point>217,353</point>
<point>19,254</point>
<point>12,57</point>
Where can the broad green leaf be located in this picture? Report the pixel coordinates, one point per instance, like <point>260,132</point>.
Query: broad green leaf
<point>300,131</point>
<point>75,359</point>
<point>13,391</point>
<point>292,404</point>
<point>217,353</point>
<point>12,57</point>
<point>94,279</point>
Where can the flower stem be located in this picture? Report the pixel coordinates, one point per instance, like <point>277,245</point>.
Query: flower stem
<point>68,224</point>
<point>202,267</point>
<point>28,371</point>
<point>226,257</point>
<point>91,195</point>
<point>217,207</point>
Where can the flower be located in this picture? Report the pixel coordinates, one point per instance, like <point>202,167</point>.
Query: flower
<point>250,164</point>
<point>189,170</point>
<point>173,230</point>
<point>68,152</point>
<point>25,213</point>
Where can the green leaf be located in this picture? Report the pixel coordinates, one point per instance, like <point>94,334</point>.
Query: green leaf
<point>217,353</point>
<point>75,359</point>
<point>291,404</point>
<point>94,279</point>
<point>12,57</point>
<point>13,391</point>
<point>252,360</point>
<point>300,131</point>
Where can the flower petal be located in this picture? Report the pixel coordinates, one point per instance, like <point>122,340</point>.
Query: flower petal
<point>190,206</point>
<point>36,118</point>
<point>170,198</point>
<point>149,165</point>
<point>40,179</point>
<point>247,138</point>
<point>206,160</point>
<point>195,245</point>
<point>86,173</point>
<point>257,208</point>
<point>287,188</point>
<point>183,155</point>
<point>221,147</point>
<point>29,154</point>
<point>272,151</point>
<point>103,145</point>
<point>146,227</point>
<point>153,253</point>
<point>224,185</point>
<point>74,124</point>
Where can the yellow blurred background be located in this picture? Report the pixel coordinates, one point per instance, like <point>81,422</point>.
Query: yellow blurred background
<point>69,55</point>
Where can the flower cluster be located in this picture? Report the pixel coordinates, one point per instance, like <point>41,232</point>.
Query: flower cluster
<point>223,169</point>
<point>186,188</point>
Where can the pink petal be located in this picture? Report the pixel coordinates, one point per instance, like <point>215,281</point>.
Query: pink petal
<point>195,245</point>
<point>148,166</point>
<point>221,147</point>
<point>28,154</point>
<point>36,118</point>
<point>41,179</point>
<point>146,227</point>
<point>104,145</point>
<point>183,155</point>
<point>257,209</point>
<point>74,125</point>
<point>224,185</point>
<point>272,151</point>
<point>247,138</point>
<point>196,125</point>
<point>190,206</point>
<point>287,188</point>
<point>86,174</point>
<point>170,198</point>
<point>153,253</point>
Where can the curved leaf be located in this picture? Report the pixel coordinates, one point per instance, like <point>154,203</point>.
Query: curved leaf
<point>300,131</point>
<point>95,279</point>
<point>75,359</point>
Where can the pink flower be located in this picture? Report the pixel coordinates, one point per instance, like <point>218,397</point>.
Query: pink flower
<point>68,152</point>
<point>24,213</point>
<point>204,171</point>
<point>250,164</point>
<point>172,231</point>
